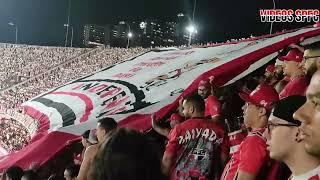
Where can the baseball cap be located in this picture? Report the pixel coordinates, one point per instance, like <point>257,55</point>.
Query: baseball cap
<point>176,117</point>
<point>285,108</point>
<point>264,95</point>
<point>271,68</point>
<point>204,83</point>
<point>278,62</point>
<point>86,134</point>
<point>293,55</point>
<point>90,135</point>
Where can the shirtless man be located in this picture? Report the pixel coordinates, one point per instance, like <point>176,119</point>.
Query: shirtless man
<point>105,128</point>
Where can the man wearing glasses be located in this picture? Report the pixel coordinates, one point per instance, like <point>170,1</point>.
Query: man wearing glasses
<point>293,69</point>
<point>284,142</point>
<point>311,59</point>
<point>250,161</point>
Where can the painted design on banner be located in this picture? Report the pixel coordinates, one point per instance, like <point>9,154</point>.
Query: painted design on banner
<point>177,73</point>
<point>109,97</point>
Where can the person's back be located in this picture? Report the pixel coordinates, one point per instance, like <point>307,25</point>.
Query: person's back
<point>197,143</point>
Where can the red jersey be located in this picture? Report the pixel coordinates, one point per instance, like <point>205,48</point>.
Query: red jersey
<point>213,107</point>
<point>311,175</point>
<point>248,159</point>
<point>296,86</point>
<point>235,139</point>
<point>195,145</point>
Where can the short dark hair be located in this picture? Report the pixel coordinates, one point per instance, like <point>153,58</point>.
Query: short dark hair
<point>73,169</point>
<point>313,46</point>
<point>86,134</point>
<point>108,124</point>
<point>31,175</point>
<point>126,155</point>
<point>197,101</point>
<point>14,172</point>
<point>56,177</point>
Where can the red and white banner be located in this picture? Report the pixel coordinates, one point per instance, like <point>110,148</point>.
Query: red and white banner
<point>3,152</point>
<point>152,82</point>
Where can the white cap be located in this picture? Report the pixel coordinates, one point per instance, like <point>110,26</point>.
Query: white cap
<point>278,62</point>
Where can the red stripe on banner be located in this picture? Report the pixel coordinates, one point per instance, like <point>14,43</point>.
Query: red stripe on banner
<point>42,118</point>
<point>3,151</point>
<point>136,121</point>
<point>38,152</point>
<point>85,99</point>
<point>257,37</point>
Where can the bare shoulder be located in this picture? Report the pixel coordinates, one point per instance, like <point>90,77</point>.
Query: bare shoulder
<point>91,149</point>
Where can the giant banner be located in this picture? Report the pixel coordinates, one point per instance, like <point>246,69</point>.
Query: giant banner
<point>149,83</point>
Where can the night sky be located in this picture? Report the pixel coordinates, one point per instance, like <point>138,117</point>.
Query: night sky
<point>41,21</point>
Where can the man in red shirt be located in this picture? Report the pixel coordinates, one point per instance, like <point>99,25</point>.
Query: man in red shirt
<point>175,119</point>
<point>293,68</point>
<point>212,104</point>
<point>195,145</point>
<point>251,160</point>
<point>309,116</point>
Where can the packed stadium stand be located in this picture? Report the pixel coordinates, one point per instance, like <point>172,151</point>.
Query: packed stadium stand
<point>27,71</point>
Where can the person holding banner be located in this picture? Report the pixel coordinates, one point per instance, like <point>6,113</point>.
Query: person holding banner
<point>174,119</point>
<point>88,139</point>
<point>105,128</point>
<point>212,104</point>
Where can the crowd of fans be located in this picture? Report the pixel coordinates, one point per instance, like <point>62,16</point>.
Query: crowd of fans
<point>78,67</point>
<point>13,135</point>
<point>20,62</point>
<point>277,139</point>
<point>50,67</point>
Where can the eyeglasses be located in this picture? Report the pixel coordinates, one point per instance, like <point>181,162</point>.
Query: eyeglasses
<point>271,126</point>
<point>306,58</point>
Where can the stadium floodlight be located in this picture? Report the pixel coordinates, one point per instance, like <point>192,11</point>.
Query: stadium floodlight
<point>143,25</point>
<point>16,28</point>
<point>180,15</point>
<point>129,32</point>
<point>191,29</point>
<point>68,25</point>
